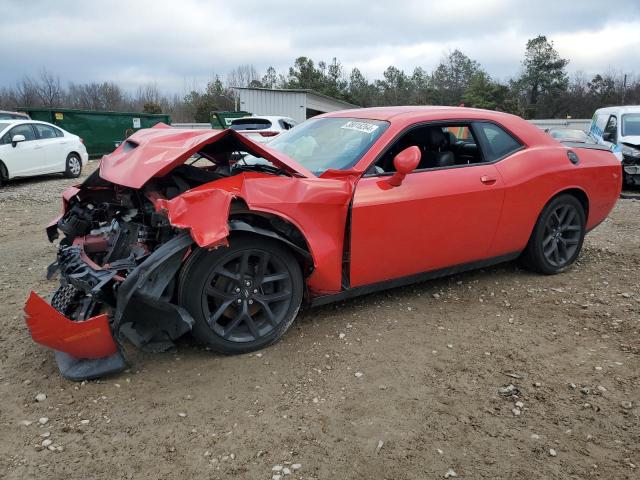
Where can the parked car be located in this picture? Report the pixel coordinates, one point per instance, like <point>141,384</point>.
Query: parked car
<point>4,115</point>
<point>262,129</point>
<point>619,129</point>
<point>347,203</point>
<point>569,135</point>
<point>29,148</point>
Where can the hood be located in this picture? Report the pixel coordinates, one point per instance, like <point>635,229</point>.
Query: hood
<point>154,152</point>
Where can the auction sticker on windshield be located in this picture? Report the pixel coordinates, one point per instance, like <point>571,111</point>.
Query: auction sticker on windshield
<point>363,127</point>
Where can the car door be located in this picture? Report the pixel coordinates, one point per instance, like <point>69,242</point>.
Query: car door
<point>437,218</point>
<point>53,152</point>
<point>22,158</point>
<point>611,132</point>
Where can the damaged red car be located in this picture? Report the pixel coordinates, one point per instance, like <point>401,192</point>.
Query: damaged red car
<point>211,233</point>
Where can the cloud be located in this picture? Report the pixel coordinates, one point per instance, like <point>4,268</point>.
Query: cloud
<point>177,43</point>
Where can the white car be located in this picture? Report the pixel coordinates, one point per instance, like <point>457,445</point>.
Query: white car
<point>618,128</point>
<point>262,128</point>
<point>29,148</point>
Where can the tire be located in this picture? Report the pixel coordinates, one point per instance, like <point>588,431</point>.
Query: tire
<point>3,174</point>
<point>557,237</point>
<point>73,167</point>
<point>244,297</point>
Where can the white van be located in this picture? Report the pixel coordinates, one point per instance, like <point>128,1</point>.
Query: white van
<point>619,129</point>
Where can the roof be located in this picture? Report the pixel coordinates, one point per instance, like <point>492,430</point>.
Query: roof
<point>299,90</point>
<point>437,112</point>
<point>621,109</point>
<point>12,122</point>
<point>404,116</point>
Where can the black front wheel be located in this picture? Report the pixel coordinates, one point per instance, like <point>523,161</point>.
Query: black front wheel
<point>73,167</point>
<point>557,237</point>
<point>243,297</point>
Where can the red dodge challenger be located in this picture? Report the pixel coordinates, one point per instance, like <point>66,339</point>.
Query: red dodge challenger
<point>211,233</point>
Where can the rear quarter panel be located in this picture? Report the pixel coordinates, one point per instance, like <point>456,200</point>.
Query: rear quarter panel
<point>535,175</point>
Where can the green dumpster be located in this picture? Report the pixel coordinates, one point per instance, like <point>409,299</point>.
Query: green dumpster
<point>222,120</point>
<point>100,131</point>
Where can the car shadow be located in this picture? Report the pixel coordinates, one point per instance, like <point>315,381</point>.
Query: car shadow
<point>21,181</point>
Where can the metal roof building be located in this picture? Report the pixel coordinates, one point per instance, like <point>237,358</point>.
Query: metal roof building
<point>295,103</point>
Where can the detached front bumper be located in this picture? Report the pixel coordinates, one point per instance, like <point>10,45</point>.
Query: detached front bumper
<point>88,349</point>
<point>83,350</point>
<point>90,338</point>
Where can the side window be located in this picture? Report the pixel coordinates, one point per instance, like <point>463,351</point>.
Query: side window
<point>441,146</point>
<point>25,130</point>
<point>499,143</point>
<point>45,131</point>
<point>59,133</point>
<point>612,126</point>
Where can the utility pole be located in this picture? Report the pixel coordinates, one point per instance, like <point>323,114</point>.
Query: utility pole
<point>624,88</point>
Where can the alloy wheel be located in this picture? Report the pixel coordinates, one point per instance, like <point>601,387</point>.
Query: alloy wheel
<point>247,295</point>
<point>561,235</point>
<point>74,165</point>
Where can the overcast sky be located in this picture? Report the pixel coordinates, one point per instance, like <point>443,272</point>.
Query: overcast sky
<point>174,43</point>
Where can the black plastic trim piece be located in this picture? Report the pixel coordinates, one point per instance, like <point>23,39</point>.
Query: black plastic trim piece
<point>240,226</point>
<point>78,369</point>
<point>152,277</point>
<point>586,146</point>
<point>419,277</point>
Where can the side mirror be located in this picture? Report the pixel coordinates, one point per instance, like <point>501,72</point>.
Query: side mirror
<point>405,162</point>
<point>608,136</point>
<point>17,139</point>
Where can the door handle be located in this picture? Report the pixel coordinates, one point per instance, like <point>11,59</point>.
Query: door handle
<point>487,180</point>
<point>37,147</point>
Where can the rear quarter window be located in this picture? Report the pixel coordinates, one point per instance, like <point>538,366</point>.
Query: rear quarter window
<point>497,142</point>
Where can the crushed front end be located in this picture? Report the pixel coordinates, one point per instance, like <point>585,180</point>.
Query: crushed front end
<point>127,232</point>
<point>117,263</point>
<point>631,164</point>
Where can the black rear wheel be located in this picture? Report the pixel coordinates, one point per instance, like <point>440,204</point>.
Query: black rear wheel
<point>3,174</point>
<point>244,297</point>
<point>557,237</point>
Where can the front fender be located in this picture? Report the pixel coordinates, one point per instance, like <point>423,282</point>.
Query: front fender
<point>318,207</point>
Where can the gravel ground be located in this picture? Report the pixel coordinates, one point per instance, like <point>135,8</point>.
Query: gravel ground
<point>413,383</point>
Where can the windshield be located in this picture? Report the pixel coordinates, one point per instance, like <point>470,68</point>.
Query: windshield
<point>3,126</point>
<point>630,124</point>
<point>324,143</point>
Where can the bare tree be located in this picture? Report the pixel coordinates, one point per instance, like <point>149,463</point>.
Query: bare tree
<point>26,92</point>
<point>48,89</point>
<point>242,76</point>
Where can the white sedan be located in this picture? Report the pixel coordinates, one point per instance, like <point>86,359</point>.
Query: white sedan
<point>262,128</point>
<point>29,148</point>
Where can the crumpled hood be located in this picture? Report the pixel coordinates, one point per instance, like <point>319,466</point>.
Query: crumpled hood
<point>154,152</point>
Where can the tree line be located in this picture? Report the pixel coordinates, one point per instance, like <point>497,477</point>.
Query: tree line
<point>543,88</point>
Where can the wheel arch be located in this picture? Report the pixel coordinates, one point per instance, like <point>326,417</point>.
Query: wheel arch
<point>575,192</point>
<point>276,227</point>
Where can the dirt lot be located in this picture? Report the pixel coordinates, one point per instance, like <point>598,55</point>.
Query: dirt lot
<point>399,385</point>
